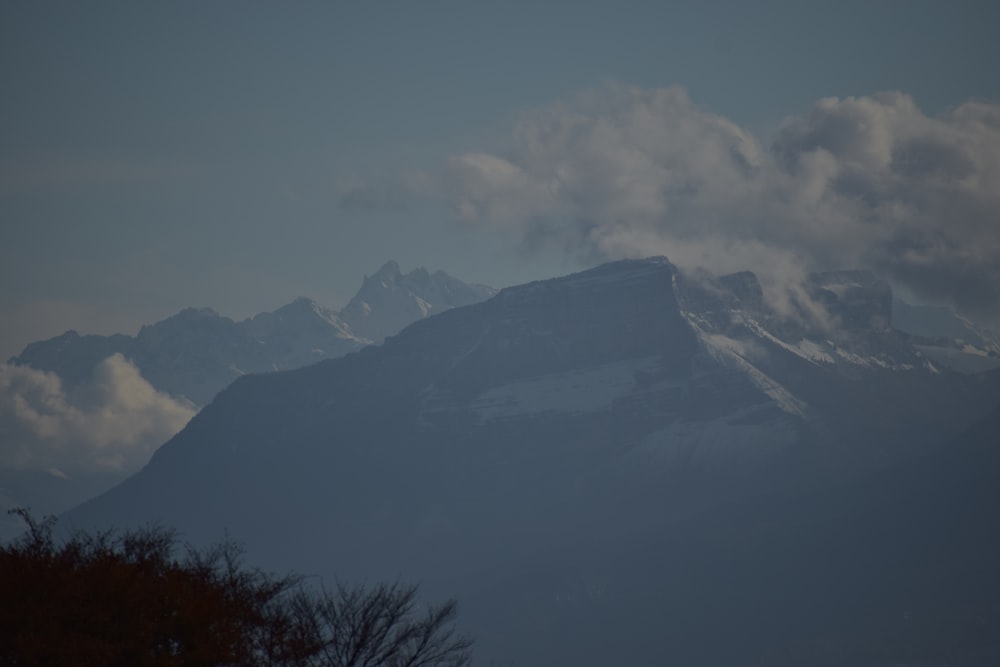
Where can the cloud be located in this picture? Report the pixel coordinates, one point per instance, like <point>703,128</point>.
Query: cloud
<point>113,424</point>
<point>866,182</point>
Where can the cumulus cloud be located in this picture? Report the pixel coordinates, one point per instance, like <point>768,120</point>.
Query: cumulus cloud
<point>867,182</point>
<point>112,424</point>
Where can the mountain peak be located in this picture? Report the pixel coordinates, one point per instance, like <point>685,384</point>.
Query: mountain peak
<point>389,270</point>
<point>188,319</point>
<point>389,300</point>
<point>301,305</point>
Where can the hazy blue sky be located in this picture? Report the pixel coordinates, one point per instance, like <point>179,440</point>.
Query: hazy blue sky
<point>239,154</point>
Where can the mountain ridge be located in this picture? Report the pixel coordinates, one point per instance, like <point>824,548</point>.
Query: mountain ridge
<point>389,299</point>
<point>295,334</point>
<point>174,366</point>
<point>501,451</point>
<point>534,356</point>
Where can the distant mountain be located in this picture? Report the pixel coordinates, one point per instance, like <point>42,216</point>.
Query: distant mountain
<point>190,356</point>
<point>390,299</point>
<point>197,352</point>
<point>573,459</point>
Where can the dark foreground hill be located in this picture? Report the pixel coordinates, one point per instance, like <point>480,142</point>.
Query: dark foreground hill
<point>623,466</point>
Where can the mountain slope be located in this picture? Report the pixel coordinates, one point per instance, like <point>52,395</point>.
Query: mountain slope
<point>536,452</point>
<point>58,388</point>
<point>948,339</point>
<point>891,568</point>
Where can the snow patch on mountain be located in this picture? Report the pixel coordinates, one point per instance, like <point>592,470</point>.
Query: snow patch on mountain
<point>739,354</point>
<point>581,390</point>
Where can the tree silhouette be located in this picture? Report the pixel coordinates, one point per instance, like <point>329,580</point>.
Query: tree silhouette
<point>358,627</point>
<point>130,600</point>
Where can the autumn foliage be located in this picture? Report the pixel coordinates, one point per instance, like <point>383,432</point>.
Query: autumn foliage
<point>131,600</point>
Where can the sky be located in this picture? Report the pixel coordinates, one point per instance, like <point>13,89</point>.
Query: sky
<point>236,155</point>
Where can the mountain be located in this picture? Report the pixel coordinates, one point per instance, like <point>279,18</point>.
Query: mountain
<point>197,352</point>
<point>582,461</point>
<point>949,339</point>
<point>896,567</point>
<point>390,299</point>
<point>188,358</point>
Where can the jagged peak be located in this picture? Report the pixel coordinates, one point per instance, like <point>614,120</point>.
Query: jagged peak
<point>300,304</point>
<point>299,309</point>
<point>187,315</point>
<point>388,270</point>
<point>194,312</point>
<point>390,300</point>
<point>419,273</point>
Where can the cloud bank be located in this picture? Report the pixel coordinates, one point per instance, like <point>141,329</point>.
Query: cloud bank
<point>868,182</point>
<point>112,424</point>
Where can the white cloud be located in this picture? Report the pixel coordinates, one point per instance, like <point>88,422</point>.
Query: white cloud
<point>857,182</point>
<point>112,424</point>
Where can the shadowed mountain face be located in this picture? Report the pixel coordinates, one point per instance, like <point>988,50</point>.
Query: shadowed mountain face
<point>566,458</point>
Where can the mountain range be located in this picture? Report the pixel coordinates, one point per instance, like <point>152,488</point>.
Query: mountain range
<point>197,352</point>
<point>104,397</point>
<point>627,465</point>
